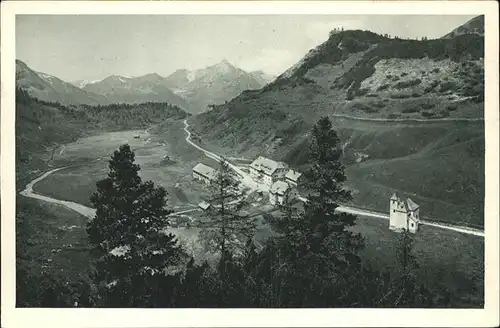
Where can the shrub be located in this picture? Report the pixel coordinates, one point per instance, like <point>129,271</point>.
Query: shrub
<point>400,95</point>
<point>443,114</point>
<point>410,110</point>
<point>451,108</point>
<point>428,105</point>
<point>372,95</point>
<point>436,70</point>
<point>365,108</point>
<point>362,92</point>
<point>392,116</point>
<point>416,95</point>
<point>383,87</point>
<point>407,84</point>
<point>446,86</point>
<point>404,74</point>
<point>426,114</point>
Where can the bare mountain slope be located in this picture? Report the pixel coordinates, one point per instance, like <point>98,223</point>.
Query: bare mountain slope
<point>50,88</point>
<point>212,85</point>
<point>474,26</point>
<point>360,74</point>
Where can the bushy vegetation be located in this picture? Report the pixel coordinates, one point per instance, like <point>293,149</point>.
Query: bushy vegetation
<point>407,84</point>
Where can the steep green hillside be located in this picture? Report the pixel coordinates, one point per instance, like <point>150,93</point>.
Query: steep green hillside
<point>444,174</point>
<point>414,98</point>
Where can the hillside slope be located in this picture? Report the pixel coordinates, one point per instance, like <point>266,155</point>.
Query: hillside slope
<point>50,88</point>
<point>473,26</point>
<point>364,75</point>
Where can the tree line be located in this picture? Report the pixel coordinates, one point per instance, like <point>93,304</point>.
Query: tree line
<point>312,258</point>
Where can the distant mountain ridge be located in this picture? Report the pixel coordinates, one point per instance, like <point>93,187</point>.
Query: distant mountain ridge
<point>50,88</point>
<point>263,77</point>
<point>193,91</point>
<point>214,85</point>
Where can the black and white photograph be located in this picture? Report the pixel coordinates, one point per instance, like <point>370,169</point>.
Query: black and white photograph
<point>250,161</point>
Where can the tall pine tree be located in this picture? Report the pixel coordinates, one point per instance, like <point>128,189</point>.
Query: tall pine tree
<point>228,229</point>
<point>129,232</point>
<point>320,252</point>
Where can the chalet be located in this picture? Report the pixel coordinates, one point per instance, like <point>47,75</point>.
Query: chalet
<point>292,177</point>
<point>403,214</point>
<point>203,173</point>
<point>281,192</point>
<point>267,171</point>
<point>204,205</point>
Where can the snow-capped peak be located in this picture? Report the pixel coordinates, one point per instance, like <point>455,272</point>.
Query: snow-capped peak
<point>82,83</point>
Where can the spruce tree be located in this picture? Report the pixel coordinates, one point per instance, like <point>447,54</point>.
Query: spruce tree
<point>407,290</point>
<point>129,232</point>
<point>321,253</point>
<point>227,228</point>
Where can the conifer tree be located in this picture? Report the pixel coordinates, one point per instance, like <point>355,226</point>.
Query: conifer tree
<point>227,230</point>
<point>324,181</point>
<point>408,291</point>
<point>318,247</point>
<point>129,232</point>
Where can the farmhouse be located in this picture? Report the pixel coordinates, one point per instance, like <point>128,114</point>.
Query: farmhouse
<point>203,173</point>
<point>280,192</point>
<point>204,205</point>
<point>403,214</point>
<point>292,177</point>
<point>267,171</point>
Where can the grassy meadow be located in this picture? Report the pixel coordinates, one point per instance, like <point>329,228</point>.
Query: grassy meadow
<point>446,259</point>
<point>51,243</point>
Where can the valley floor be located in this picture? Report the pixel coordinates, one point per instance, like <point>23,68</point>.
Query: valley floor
<point>438,250</point>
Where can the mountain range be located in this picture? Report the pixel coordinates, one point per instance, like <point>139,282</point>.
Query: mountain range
<point>50,88</point>
<point>214,85</point>
<point>190,90</point>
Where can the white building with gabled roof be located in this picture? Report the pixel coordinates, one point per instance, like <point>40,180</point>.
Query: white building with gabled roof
<point>204,173</point>
<point>292,177</point>
<point>204,205</point>
<point>403,214</point>
<point>267,171</point>
<point>280,192</point>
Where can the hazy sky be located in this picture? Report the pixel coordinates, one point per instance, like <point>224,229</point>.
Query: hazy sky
<point>93,47</point>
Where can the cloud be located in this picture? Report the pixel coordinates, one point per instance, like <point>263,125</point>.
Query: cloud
<point>270,60</point>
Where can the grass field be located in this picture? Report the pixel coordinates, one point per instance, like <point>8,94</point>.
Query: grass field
<point>174,174</point>
<point>445,175</point>
<point>51,241</point>
<point>446,258</point>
